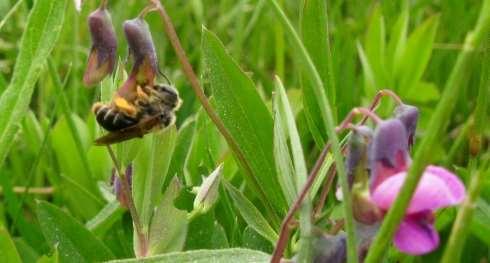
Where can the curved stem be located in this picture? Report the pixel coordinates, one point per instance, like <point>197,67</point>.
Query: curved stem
<point>194,81</point>
<point>367,112</point>
<point>103,4</point>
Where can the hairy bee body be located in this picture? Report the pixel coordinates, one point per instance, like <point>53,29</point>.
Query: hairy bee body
<point>153,102</point>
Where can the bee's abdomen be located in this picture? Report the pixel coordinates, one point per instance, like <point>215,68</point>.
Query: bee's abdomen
<point>111,119</point>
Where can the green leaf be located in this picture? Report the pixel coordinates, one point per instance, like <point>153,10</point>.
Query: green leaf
<point>374,46</point>
<point>285,115</point>
<point>8,252</point>
<point>205,233</point>
<point>150,170</point>
<point>251,214</point>
<point>416,55</point>
<point>398,41</point>
<point>106,217</point>
<point>169,225</point>
<point>253,240</point>
<point>314,31</point>
<point>238,255</point>
<point>246,117</point>
<point>54,258</point>
<point>74,242</point>
<point>40,35</point>
<point>479,224</point>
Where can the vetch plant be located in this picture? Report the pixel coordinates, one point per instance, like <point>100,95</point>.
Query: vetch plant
<point>274,118</point>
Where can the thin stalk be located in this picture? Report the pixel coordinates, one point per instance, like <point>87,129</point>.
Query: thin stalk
<point>460,226</point>
<point>324,194</point>
<point>452,253</point>
<point>438,121</point>
<point>194,81</point>
<point>328,119</point>
<point>126,188</point>
<point>10,13</point>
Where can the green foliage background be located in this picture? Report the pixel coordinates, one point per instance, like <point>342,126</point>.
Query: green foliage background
<point>237,47</point>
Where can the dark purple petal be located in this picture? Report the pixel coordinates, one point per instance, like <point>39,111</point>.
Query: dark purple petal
<point>389,151</point>
<point>408,115</point>
<point>102,57</point>
<point>142,49</point>
<point>432,192</point>
<point>416,235</point>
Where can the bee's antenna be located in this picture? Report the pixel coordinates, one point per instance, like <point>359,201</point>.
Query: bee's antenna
<point>165,76</point>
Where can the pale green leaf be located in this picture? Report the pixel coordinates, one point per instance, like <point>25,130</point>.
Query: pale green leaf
<point>40,35</point>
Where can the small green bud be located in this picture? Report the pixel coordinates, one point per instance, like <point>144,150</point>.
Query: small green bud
<point>207,193</point>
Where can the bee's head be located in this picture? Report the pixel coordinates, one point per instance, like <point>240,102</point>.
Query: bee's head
<point>169,96</point>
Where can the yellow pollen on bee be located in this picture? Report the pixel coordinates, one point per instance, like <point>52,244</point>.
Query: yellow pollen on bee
<point>125,106</point>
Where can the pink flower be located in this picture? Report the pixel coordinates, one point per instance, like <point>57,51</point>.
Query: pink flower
<point>436,189</point>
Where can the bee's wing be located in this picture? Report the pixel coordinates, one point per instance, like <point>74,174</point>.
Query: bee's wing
<point>138,130</point>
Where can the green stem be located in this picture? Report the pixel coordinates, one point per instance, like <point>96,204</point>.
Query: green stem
<point>452,252</point>
<point>438,121</point>
<point>328,119</point>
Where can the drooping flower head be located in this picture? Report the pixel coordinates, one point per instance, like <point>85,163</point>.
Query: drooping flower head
<point>102,56</point>
<point>142,50</point>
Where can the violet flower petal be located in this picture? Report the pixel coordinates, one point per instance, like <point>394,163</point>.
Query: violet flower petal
<point>416,235</point>
<point>432,192</point>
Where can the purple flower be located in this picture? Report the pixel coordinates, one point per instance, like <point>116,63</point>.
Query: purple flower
<point>437,188</point>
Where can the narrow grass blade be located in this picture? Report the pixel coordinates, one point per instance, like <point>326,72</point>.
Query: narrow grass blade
<point>41,33</point>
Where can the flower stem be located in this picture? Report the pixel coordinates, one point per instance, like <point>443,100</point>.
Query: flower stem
<point>438,122</point>
<point>126,188</point>
<point>194,81</point>
<point>452,252</point>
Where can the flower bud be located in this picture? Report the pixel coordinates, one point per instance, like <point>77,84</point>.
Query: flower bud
<point>102,57</point>
<point>364,210</point>
<point>207,193</point>
<point>118,188</point>
<point>141,47</point>
<point>357,156</point>
<point>389,151</point>
<point>409,116</point>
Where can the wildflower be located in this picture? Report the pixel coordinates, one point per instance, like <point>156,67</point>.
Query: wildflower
<point>437,188</point>
<point>104,45</point>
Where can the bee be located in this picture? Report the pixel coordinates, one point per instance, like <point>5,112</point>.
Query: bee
<point>154,108</point>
